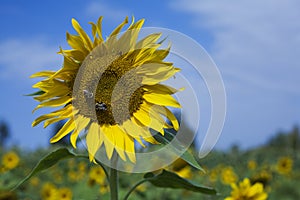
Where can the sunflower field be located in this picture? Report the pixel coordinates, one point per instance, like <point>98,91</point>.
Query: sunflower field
<point>270,171</point>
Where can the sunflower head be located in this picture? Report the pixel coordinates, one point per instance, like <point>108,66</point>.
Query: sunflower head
<point>246,191</point>
<point>110,89</point>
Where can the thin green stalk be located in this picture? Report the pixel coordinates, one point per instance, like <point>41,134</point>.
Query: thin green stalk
<point>114,179</point>
<point>133,188</point>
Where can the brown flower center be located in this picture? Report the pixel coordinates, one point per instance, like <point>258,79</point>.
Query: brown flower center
<point>107,88</point>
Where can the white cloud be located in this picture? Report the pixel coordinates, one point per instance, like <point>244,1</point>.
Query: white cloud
<point>21,58</point>
<point>254,41</point>
<point>256,45</point>
<point>99,8</point>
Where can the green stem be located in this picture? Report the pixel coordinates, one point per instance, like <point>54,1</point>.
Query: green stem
<point>113,180</point>
<point>133,188</point>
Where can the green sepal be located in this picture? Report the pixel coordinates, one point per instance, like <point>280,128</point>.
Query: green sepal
<point>167,179</point>
<point>40,92</point>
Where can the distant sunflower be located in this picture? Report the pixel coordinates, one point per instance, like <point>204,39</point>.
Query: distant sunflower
<point>118,97</point>
<point>246,191</point>
<point>64,194</point>
<point>284,165</point>
<point>228,176</point>
<point>10,160</point>
<point>49,191</point>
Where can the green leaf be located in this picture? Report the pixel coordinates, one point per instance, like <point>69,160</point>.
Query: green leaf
<point>48,161</point>
<point>178,148</point>
<point>168,179</point>
<point>40,92</point>
<point>189,158</point>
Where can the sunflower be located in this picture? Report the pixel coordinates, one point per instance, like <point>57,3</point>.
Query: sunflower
<point>97,175</point>
<point>111,89</point>
<point>246,191</point>
<point>284,165</point>
<point>10,160</point>
<point>252,164</point>
<point>49,192</point>
<point>64,193</point>
<point>228,176</point>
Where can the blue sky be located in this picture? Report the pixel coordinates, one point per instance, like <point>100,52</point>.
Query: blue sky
<point>255,44</point>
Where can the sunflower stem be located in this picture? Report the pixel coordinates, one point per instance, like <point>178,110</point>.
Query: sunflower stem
<point>114,180</point>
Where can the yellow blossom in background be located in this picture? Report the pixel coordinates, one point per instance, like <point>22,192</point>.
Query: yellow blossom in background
<point>81,170</point>
<point>49,192</point>
<point>104,188</point>
<point>228,176</point>
<point>263,177</point>
<point>97,175</point>
<point>64,194</point>
<point>10,160</point>
<point>2,169</point>
<point>71,163</point>
<point>252,164</point>
<point>72,176</point>
<point>284,165</point>
<point>246,191</point>
<point>82,166</point>
<point>34,181</point>
<point>141,188</point>
<point>58,177</point>
<point>213,175</point>
<point>119,96</point>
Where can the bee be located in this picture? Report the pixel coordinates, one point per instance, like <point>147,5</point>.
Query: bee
<point>100,106</point>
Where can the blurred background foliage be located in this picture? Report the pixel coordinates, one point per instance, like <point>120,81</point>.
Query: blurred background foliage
<point>275,165</point>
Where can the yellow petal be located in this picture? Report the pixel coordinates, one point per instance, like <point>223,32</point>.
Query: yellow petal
<point>150,39</point>
<point>86,39</point>
<point>145,54</point>
<point>154,68</point>
<point>93,140</point>
<point>67,128</point>
<point>54,102</point>
<point>56,113</point>
<point>53,93</point>
<point>76,42</point>
<point>145,133</point>
<point>143,117</point>
<point>160,88</point>
<point>133,130</point>
<point>161,99</point>
<point>108,139</point>
<point>165,111</point>
<point>81,122</point>
<point>73,53</point>
<point>129,147</point>
<point>53,120</point>
<point>156,121</point>
<point>128,40</point>
<point>161,54</point>
<point>99,28</point>
<point>42,74</point>
<point>111,41</point>
<point>119,141</point>
<point>159,77</point>
<point>119,28</point>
